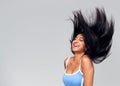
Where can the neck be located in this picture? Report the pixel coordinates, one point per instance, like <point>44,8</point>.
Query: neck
<point>78,55</point>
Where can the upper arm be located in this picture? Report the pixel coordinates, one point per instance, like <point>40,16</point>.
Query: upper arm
<point>88,71</point>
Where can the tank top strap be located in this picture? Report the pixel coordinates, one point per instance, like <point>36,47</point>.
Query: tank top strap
<point>80,65</point>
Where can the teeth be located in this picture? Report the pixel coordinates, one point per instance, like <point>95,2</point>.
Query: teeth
<point>76,45</point>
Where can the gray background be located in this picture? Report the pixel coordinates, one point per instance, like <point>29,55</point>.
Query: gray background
<point>34,41</point>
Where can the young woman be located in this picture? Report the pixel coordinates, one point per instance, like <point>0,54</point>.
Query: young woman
<point>91,42</point>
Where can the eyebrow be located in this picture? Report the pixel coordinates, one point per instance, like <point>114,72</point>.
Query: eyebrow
<point>80,37</point>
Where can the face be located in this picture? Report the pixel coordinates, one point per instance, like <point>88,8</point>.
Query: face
<point>78,44</point>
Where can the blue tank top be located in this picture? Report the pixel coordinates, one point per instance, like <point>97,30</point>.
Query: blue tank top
<point>75,79</point>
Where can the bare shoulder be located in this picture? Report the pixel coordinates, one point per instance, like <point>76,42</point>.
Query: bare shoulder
<point>87,63</point>
<point>65,62</point>
<point>86,59</point>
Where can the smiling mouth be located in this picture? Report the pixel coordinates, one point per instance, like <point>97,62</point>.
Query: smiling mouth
<point>76,45</point>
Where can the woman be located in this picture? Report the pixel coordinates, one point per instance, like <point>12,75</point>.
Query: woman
<point>91,42</point>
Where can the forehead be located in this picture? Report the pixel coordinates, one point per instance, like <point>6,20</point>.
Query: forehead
<point>79,36</point>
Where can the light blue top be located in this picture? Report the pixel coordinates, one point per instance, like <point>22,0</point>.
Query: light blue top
<point>75,79</point>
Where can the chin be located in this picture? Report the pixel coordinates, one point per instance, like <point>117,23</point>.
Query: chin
<point>75,50</point>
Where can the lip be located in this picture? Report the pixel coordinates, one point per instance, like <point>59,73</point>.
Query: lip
<point>75,45</point>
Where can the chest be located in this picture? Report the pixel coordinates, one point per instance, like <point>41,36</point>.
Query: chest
<point>72,67</point>
<point>75,79</point>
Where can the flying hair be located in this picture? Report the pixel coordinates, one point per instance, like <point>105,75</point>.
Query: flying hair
<point>97,34</point>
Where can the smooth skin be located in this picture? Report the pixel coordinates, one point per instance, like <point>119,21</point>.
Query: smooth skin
<point>80,61</point>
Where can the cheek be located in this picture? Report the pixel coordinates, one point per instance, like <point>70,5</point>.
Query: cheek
<point>82,45</point>
<point>72,43</point>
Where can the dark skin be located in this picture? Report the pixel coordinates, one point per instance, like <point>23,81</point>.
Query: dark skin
<point>80,61</point>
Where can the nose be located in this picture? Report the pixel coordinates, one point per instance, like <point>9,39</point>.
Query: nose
<point>76,41</point>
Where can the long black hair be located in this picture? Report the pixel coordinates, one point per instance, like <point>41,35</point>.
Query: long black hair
<point>97,34</point>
